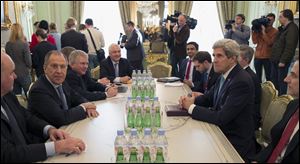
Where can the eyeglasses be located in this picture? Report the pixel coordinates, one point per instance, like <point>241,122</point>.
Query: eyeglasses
<point>58,66</point>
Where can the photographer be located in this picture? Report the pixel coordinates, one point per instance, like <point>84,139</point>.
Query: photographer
<point>181,33</point>
<point>238,32</point>
<point>264,38</point>
<point>134,47</point>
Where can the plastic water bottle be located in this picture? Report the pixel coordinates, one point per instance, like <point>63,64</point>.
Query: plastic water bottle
<point>134,75</point>
<point>134,89</point>
<point>156,111</point>
<point>121,148</point>
<point>130,113</point>
<point>139,74</point>
<point>147,114</point>
<point>153,88</point>
<point>149,73</point>
<point>148,146</point>
<point>135,147</point>
<point>138,116</point>
<point>161,144</point>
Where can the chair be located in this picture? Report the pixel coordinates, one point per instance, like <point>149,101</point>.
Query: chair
<point>22,100</point>
<point>273,115</point>
<point>160,69</point>
<point>268,93</point>
<point>158,47</point>
<point>31,84</point>
<point>95,72</point>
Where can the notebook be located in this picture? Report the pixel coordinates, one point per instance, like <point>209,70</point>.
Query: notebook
<point>175,110</point>
<point>168,79</point>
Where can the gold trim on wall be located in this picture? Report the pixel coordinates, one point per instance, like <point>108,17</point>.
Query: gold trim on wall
<point>7,23</point>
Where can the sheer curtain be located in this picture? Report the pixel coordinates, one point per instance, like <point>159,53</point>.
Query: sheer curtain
<point>106,17</point>
<point>208,29</point>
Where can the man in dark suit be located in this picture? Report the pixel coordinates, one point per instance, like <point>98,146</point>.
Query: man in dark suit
<point>244,60</point>
<point>115,68</point>
<point>187,72</point>
<point>229,103</point>
<point>39,51</point>
<point>134,47</point>
<point>181,33</point>
<point>80,80</point>
<point>23,134</point>
<point>52,99</point>
<point>73,38</point>
<point>285,134</point>
<point>203,64</point>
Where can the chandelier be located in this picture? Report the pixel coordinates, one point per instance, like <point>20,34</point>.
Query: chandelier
<point>147,8</point>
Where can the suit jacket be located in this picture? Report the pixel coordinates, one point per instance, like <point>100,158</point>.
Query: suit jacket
<point>135,50</point>
<point>74,39</point>
<point>231,110</point>
<point>180,39</point>
<point>46,104</point>
<point>292,152</point>
<point>107,69</point>
<point>86,86</point>
<point>38,55</point>
<point>257,98</point>
<point>32,130</point>
<point>212,79</point>
<point>196,75</point>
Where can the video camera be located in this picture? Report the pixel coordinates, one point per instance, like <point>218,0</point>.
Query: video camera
<point>191,22</point>
<point>228,25</point>
<point>256,23</point>
<point>122,39</point>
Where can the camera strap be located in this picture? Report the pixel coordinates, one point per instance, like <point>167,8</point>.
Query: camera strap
<point>92,40</point>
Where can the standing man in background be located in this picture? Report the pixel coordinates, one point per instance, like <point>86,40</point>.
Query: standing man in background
<point>181,33</point>
<point>95,41</point>
<point>134,47</point>
<point>239,32</point>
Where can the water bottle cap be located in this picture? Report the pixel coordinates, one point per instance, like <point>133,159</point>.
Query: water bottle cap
<point>120,132</point>
<point>161,132</point>
<point>155,98</point>
<point>138,97</point>
<point>133,132</point>
<point>147,131</point>
<point>147,98</point>
<point>129,98</point>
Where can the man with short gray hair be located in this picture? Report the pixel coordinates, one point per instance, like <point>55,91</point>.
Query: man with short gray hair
<point>229,103</point>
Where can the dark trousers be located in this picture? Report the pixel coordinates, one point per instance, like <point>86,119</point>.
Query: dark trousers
<point>259,64</point>
<point>176,63</point>
<point>137,65</point>
<point>277,76</point>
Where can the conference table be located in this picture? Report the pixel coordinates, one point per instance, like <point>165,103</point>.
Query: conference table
<point>188,140</point>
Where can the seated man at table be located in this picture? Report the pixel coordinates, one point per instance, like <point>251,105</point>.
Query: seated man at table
<point>115,68</point>
<point>203,63</point>
<point>284,147</point>
<point>79,80</point>
<point>244,61</point>
<point>229,103</point>
<point>52,99</point>
<point>23,134</point>
<point>187,71</point>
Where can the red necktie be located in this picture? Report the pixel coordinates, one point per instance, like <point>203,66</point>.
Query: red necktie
<point>187,74</point>
<point>285,137</point>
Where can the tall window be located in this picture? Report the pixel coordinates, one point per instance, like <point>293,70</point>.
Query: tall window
<point>208,29</point>
<point>106,17</point>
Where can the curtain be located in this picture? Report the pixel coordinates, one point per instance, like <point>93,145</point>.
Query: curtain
<point>126,9</point>
<point>287,5</point>
<point>161,8</point>
<point>226,11</point>
<point>184,7</point>
<point>77,10</point>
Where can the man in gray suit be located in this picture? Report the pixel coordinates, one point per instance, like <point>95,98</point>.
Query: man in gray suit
<point>239,32</point>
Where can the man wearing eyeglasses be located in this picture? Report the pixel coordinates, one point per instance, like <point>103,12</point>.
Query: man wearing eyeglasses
<point>52,99</point>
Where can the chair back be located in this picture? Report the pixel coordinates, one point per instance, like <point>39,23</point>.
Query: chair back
<point>160,69</point>
<point>268,94</point>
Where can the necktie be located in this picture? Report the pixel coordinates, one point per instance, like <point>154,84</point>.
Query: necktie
<point>62,97</point>
<point>187,74</point>
<point>116,65</point>
<point>14,125</point>
<point>205,81</point>
<point>222,80</point>
<point>285,137</point>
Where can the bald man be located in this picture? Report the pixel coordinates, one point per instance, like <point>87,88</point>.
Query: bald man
<point>22,134</point>
<point>115,68</point>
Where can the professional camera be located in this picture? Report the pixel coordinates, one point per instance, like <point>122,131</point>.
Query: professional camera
<point>191,22</point>
<point>228,25</point>
<point>122,39</point>
<point>256,23</point>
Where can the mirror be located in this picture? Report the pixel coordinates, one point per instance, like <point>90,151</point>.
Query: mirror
<point>5,21</point>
